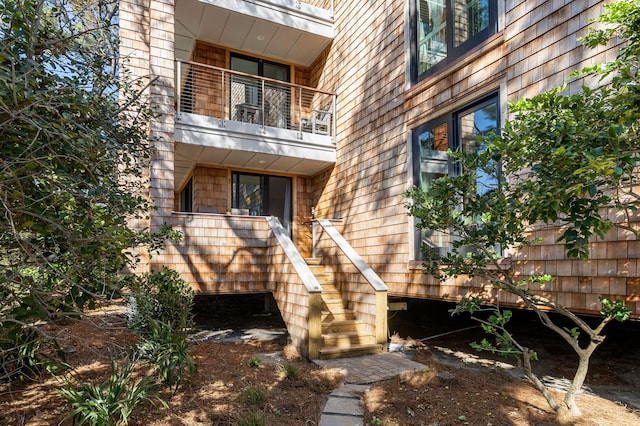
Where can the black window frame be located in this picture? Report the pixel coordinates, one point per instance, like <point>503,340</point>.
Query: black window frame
<point>186,197</point>
<point>261,62</point>
<point>265,187</point>
<point>261,90</point>
<point>454,168</point>
<point>453,52</point>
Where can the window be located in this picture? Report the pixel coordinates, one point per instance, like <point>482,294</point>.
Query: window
<point>456,131</point>
<point>443,30</point>
<point>186,197</point>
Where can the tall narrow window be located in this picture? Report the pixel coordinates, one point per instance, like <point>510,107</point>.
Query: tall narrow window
<point>444,30</point>
<point>479,120</point>
<point>186,197</point>
<point>456,131</point>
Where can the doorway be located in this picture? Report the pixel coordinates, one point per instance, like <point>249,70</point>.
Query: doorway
<point>263,195</point>
<point>255,102</point>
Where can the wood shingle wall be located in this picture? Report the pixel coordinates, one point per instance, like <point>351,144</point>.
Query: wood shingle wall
<point>220,254</point>
<point>535,49</point>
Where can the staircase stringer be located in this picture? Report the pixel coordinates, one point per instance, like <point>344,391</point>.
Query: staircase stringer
<point>296,291</point>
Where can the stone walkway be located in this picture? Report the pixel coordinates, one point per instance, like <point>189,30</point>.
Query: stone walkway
<point>344,406</point>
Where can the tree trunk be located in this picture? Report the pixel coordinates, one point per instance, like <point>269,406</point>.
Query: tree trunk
<point>577,382</point>
<point>537,383</point>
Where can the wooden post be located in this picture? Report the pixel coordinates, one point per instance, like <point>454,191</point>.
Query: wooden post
<point>381,317</point>
<point>315,325</point>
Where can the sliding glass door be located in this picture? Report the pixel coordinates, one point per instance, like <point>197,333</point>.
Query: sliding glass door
<point>253,102</point>
<point>263,195</point>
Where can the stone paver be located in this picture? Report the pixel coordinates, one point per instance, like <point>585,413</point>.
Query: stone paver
<point>372,368</point>
<point>340,420</point>
<point>344,406</point>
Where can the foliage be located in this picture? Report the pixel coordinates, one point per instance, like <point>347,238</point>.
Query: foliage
<point>73,146</point>
<point>254,418</point>
<point>111,402</point>
<point>255,362</point>
<point>167,350</point>
<point>253,394</point>
<point>567,159</point>
<point>161,296</point>
<point>289,371</point>
<point>24,354</point>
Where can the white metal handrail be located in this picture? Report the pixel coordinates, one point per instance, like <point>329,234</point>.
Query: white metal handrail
<point>302,269</point>
<point>365,270</point>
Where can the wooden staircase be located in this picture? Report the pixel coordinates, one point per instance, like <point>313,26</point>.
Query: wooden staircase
<point>342,334</point>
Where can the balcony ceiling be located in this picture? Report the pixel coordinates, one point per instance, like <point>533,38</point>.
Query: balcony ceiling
<point>188,156</point>
<point>271,28</point>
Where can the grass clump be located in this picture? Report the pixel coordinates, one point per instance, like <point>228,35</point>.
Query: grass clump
<point>255,362</point>
<point>254,418</point>
<point>111,402</point>
<point>289,371</point>
<point>254,394</point>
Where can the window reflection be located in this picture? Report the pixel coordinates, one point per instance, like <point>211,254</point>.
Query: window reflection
<point>469,17</point>
<point>432,26</point>
<point>459,130</point>
<point>444,30</point>
<point>481,121</point>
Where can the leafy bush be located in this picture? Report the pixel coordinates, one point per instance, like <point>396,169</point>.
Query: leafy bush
<point>167,351</point>
<point>111,402</point>
<point>161,296</point>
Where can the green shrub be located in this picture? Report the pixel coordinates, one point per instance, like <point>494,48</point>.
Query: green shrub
<point>162,296</point>
<point>255,362</point>
<point>111,402</point>
<point>167,351</point>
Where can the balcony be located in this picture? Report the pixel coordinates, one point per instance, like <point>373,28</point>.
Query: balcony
<point>238,120</point>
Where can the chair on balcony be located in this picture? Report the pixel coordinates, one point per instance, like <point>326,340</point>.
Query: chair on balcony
<point>319,123</point>
<point>248,113</point>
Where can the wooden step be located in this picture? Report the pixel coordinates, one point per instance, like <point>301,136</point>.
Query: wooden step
<point>342,334</point>
<point>347,339</point>
<point>334,306</point>
<point>331,295</point>
<point>330,286</point>
<point>332,352</point>
<point>341,326</point>
<point>317,269</point>
<point>325,278</point>
<point>337,314</point>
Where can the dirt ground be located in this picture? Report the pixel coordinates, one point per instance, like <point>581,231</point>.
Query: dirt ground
<point>218,394</point>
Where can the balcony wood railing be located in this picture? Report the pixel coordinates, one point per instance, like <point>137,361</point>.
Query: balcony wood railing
<point>230,95</point>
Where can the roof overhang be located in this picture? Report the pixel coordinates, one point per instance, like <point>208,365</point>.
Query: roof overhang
<point>285,30</point>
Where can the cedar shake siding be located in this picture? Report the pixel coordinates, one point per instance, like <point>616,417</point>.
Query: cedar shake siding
<point>352,161</point>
